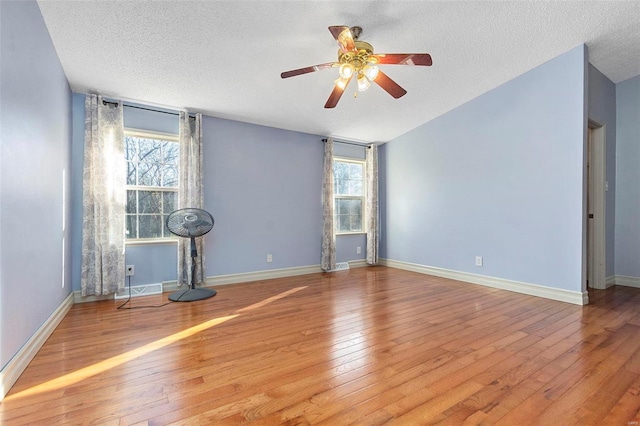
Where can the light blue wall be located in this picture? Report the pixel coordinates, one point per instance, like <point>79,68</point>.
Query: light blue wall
<point>77,160</point>
<point>628,178</point>
<point>499,177</point>
<point>154,263</point>
<point>263,187</point>
<point>35,118</point>
<point>602,109</point>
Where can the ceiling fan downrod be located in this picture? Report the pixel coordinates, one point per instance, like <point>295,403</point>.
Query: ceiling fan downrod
<point>355,32</point>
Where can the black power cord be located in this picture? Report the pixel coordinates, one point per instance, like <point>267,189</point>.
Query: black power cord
<point>138,307</point>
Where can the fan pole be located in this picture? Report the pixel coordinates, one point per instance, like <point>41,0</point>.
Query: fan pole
<point>194,251</point>
<point>192,293</point>
<point>194,256</point>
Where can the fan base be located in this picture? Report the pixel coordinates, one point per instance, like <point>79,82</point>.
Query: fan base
<point>192,294</point>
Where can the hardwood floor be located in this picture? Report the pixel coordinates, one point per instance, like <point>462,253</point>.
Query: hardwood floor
<point>366,346</point>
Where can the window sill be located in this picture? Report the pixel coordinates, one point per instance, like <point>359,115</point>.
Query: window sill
<point>154,241</point>
<point>338,234</point>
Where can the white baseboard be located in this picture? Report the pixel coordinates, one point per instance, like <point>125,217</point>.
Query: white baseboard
<point>627,281</point>
<point>262,275</point>
<point>610,281</point>
<point>14,368</point>
<point>360,263</point>
<point>244,277</point>
<point>79,298</point>
<point>577,298</point>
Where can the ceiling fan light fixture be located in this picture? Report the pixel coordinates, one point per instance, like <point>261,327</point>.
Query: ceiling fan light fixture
<point>371,71</point>
<point>363,82</point>
<point>346,70</point>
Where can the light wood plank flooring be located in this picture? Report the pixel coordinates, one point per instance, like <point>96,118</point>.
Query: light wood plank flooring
<point>366,346</point>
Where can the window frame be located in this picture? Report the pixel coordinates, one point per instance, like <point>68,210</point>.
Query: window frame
<point>351,197</point>
<point>149,134</point>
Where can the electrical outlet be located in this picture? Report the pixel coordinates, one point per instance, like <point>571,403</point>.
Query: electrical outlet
<point>358,250</point>
<point>130,270</point>
<point>269,258</point>
<point>478,260</point>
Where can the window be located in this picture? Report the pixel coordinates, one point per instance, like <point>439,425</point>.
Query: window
<point>348,192</point>
<point>152,183</point>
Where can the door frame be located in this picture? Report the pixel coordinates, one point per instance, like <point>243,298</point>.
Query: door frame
<point>596,193</point>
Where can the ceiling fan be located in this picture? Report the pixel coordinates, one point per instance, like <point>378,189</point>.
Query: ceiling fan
<point>356,58</point>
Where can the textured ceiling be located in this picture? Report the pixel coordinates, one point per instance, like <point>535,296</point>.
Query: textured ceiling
<point>224,58</point>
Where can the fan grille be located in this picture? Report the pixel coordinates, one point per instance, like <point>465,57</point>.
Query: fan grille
<point>190,222</point>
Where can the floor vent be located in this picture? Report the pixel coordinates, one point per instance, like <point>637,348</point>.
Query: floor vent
<point>341,266</point>
<point>140,290</point>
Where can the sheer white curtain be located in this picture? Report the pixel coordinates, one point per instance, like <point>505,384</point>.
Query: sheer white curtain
<point>103,198</point>
<point>190,193</point>
<point>328,261</point>
<point>372,209</point>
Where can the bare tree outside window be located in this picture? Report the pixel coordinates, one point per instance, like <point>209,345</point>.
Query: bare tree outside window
<point>152,184</point>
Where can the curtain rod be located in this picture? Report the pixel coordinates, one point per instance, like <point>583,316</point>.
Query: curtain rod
<point>146,109</point>
<point>350,143</point>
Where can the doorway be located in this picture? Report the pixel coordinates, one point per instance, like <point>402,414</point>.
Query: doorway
<point>596,188</point>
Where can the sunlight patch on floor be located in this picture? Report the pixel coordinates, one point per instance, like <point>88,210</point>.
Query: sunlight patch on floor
<point>102,366</point>
<point>271,299</point>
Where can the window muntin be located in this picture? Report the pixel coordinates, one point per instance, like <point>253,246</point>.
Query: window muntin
<point>152,184</point>
<point>348,192</point>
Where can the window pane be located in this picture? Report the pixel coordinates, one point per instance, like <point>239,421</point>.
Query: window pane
<point>170,152</point>
<point>348,178</point>
<point>131,173</point>
<point>150,226</point>
<point>355,187</point>
<point>356,208</point>
<point>170,176</point>
<point>149,202</point>
<point>356,224</point>
<point>342,187</point>
<point>341,174</point>
<point>341,170</point>
<point>348,214</point>
<point>169,203</point>
<point>355,171</point>
<point>132,224</point>
<point>149,174</point>
<point>342,206</point>
<point>344,223</point>
<point>150,150</point>
<point>130,148</point>
<point>131,201</point>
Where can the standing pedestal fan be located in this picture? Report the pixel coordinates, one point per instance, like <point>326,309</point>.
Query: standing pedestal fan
<point>191,223</point>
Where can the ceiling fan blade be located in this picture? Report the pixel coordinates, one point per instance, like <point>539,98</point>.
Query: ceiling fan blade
<point>344,38</point>
<point>390,86</point>
<point>423,59</point>
<point>306,70</point>
<point>337,92</point>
